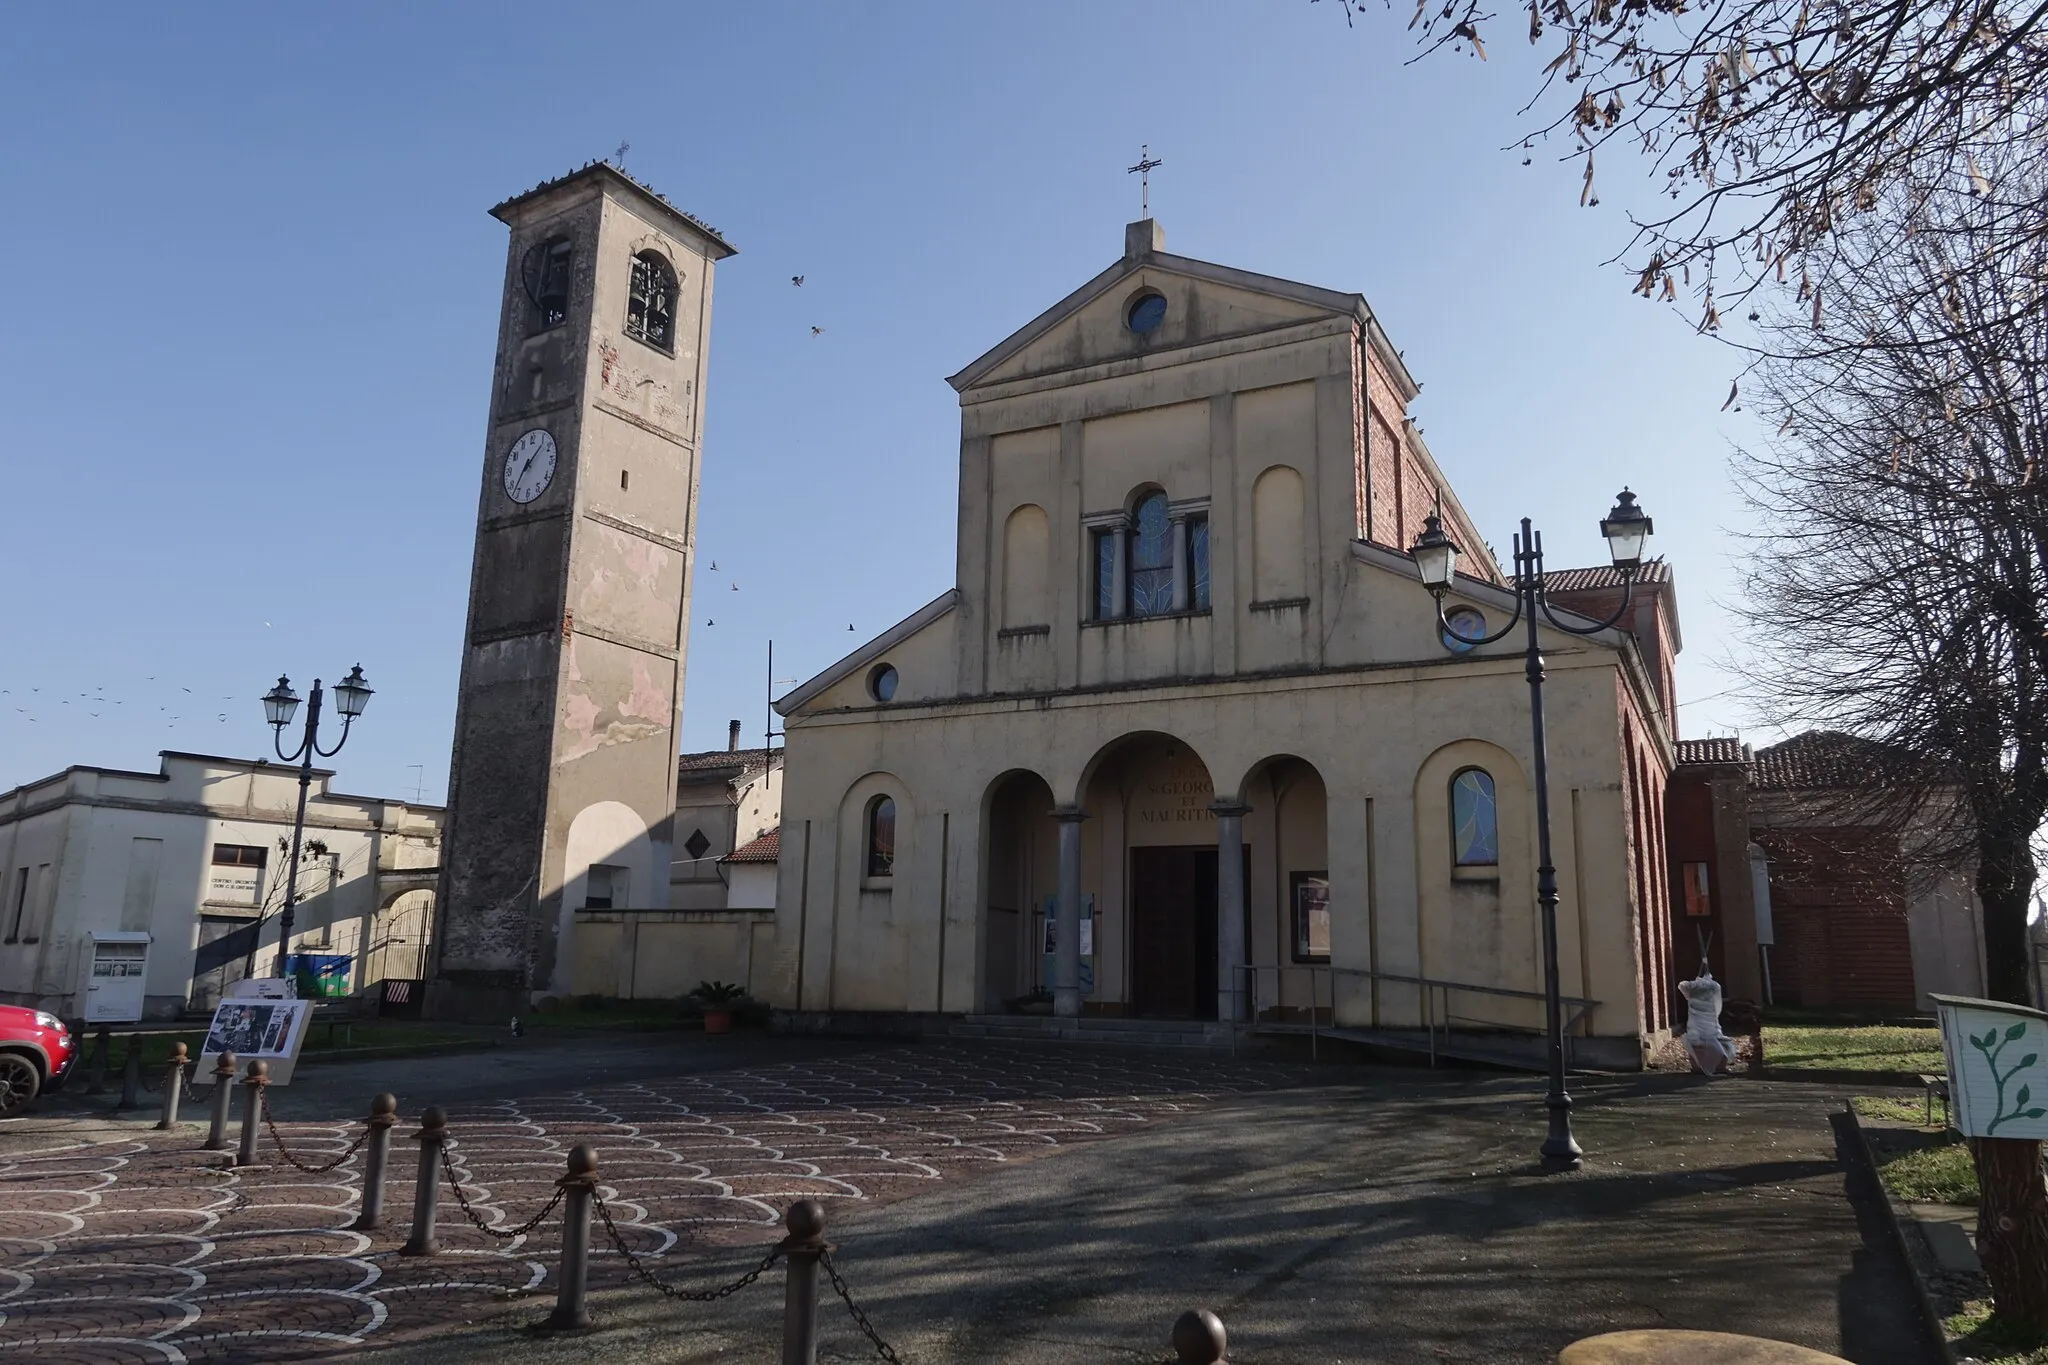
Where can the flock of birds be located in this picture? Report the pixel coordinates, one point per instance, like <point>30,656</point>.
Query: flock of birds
<point>35,704</point>
<point>98,703</point>
<point>712,567</point>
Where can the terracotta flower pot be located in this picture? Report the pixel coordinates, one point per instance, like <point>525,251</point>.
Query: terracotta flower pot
<point>718,1021</point>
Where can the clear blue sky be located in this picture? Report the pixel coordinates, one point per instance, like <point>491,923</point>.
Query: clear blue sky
<point>252,290</point>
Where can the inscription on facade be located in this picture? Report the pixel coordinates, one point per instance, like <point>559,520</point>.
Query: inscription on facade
<point>1174,799</point>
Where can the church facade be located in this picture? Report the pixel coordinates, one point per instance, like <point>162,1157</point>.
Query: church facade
<point>1188,683</point>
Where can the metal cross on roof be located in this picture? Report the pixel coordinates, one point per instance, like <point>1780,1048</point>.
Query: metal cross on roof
<point>619,157</point>
<point>1147,163</point>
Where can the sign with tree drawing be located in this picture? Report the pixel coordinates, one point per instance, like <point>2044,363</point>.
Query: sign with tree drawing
<point>1997,1075</point>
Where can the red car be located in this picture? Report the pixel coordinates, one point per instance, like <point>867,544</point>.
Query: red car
<point>36,1052</point>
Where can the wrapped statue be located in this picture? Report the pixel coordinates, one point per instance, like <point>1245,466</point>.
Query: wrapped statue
<point>1711,1049</point>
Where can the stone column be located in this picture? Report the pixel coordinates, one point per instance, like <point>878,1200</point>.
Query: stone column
<point>1120,572</point>
<point>1066,989</point>
<point>1230,943</point>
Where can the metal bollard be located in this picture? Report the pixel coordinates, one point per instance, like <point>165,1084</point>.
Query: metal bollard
<point>174,1086</point>
<point>427,1189</point>
<point>252,1111</point>
<point>803,1248</point>
<point>383,1117</point>
<point>96,1065</point>
<point>131,1074</point>
<point>577,1188</point>
<point>1198,1338</point>
<point>223,1091</point>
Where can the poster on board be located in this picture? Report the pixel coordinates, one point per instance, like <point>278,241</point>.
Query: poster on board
<point>1052,917</point>
<point>269,1031</point>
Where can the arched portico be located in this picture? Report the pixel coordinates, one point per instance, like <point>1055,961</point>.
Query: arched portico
<point>1292,918</point>
<point>1020,876</point>
<point>1143,849</point>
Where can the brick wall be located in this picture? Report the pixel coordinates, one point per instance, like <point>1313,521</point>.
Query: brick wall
<point>1839,909</point>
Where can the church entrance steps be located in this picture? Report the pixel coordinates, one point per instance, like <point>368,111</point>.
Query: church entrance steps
<point>1039,1028</point>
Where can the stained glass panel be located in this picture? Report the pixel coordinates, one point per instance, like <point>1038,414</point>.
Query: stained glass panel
<point>882,838</point>
<point>1475,829</point>
<point>1198,562</point>
<point>1152,558</point>
<point>1105,575</point>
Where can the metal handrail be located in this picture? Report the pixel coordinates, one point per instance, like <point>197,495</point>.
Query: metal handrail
<point>1578,1008</point>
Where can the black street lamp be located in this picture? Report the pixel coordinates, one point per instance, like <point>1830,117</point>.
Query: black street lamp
<point>280,704</point>
<point>1436,559</point>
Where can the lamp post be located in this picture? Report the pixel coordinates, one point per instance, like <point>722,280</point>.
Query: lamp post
<point>1626,528</point>
<point>280,704</point>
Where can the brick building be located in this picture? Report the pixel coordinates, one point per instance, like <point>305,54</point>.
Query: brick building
<point>1792,900</point>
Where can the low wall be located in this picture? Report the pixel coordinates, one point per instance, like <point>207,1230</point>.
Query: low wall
<point>663,954</point>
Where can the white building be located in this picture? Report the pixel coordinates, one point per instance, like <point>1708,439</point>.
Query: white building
<point>173,878</point>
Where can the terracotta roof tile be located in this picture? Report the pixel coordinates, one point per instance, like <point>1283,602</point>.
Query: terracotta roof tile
<point>1816,759</point>
<point>722,760</point>
<point>1719,749</point>
<point>1602,576</point>
<point>766,849</point>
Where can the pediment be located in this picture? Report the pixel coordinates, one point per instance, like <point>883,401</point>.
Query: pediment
<point>1204,303</point>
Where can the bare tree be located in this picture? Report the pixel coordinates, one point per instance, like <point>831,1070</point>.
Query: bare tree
<point>1769,125</point>
<point>1897,590</point>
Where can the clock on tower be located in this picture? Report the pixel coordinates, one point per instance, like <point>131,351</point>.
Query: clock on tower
<point>563,773</point>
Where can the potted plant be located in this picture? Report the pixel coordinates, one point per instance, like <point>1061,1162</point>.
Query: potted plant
<point>718,998</point>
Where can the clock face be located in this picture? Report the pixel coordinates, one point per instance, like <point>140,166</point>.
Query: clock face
<point>530,466</point>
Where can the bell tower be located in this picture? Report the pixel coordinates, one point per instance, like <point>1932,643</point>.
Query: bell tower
<point>562,783</point>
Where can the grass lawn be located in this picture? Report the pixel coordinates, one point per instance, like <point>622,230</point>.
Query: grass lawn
<point>1853,1047</point>
<point>619,1014</point>
<point>157,1047</point>
<point>1918,1164</point>
<point>1977,1333</point>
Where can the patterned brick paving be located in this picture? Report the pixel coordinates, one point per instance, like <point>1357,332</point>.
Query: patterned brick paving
<point>151,1251</point>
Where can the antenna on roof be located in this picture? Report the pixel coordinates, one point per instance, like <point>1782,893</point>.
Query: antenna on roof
<point>619,157</point>
<point>771,734</point>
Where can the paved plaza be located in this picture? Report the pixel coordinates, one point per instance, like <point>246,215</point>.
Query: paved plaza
<point>989,1204</point>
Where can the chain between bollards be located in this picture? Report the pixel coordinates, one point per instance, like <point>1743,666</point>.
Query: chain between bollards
<point>383,1118</point>
<point>578,1187</point>
<point>174,1085</point>
<point>223,1092</point>
<point>255,1083</point>
<point>426,1189</point>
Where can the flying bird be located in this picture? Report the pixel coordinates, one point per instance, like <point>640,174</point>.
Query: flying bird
<point>817,331</point>
<point>849,625</point>
<point>711,623</point>
<point>1732,386</point>
<point>797,280</point>
<point>735,587</point>
<point>714,566</point>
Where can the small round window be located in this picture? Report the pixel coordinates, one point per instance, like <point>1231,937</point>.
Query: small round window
<point>882,683</point>
<point>1146,313</point>
<point>1464,627</point>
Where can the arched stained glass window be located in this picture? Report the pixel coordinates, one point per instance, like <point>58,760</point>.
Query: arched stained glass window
<point>881,837</point>
<point>651,307</point>
<point>1475,828</point>
<point>1151,573</point>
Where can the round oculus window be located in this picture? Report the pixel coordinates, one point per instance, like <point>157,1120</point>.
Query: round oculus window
<point>1146,313</point>
<point>882,683</point>
<point>1463,627</point>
